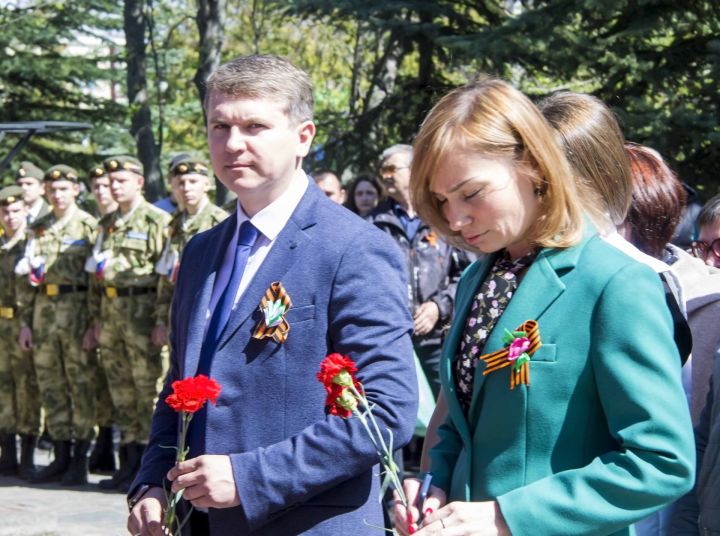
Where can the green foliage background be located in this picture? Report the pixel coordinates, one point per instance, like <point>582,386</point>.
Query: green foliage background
<point>377,68</point>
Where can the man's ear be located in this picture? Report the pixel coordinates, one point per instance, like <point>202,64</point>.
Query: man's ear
<point>306,133</point>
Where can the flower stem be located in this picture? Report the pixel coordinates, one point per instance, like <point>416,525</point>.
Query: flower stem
<point>170,519</point>
<point>386,456</point>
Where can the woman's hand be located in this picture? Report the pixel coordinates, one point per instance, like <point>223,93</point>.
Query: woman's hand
<point>466,519</point>
<point>406,521</point>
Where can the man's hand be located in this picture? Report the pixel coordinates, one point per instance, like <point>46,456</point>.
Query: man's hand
<point>146,517</point>
<point>25,339</point>
<point>208,481</point>
<point>159,335</point>
<point>88,341</point>
<point>425,317</point>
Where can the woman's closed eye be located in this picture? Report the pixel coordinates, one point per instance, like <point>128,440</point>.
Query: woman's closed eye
<point>474,193</point>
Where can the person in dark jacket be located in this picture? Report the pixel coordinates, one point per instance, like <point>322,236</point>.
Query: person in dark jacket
<point>434,267</point>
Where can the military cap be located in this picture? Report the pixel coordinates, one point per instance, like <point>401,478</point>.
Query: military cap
<point>123,163</point>
<point>28,169</point>
<point>61,172</point>
<point>97,171</point>
<point>10,194</point>
<point>185,163</point>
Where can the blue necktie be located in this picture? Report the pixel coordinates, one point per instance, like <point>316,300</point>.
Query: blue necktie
<point>224,291</point>
<point>224,294</point>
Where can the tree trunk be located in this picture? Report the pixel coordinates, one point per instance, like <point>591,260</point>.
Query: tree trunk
<point>141,126</point>
<point>210,22</point>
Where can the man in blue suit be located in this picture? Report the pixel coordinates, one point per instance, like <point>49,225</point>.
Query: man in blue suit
<point>267,460</point>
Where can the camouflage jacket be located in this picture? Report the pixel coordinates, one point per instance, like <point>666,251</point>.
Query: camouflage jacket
<point>127,248</point>
<point>15,290</point>
<point>182,228</point>
<point>132,245</point>
<point>62,246</point>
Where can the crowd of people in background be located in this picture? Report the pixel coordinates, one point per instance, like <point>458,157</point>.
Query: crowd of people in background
<point>86,293</point>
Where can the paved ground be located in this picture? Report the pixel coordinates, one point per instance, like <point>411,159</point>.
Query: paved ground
<point>53,510</point>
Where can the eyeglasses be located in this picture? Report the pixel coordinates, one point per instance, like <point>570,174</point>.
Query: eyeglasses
<point>703,249</point>
<point>391,168</point>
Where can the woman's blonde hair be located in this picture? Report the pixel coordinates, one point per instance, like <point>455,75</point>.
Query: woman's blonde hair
<point>594,146</point>
<point>496,120</point>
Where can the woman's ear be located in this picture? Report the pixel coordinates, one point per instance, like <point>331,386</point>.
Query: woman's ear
<point>535,174</point>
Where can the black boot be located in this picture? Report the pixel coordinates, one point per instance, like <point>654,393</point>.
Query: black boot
<point>59,465</point>
<point>121,474</point>
<point>27,468</point>
<point>45,442</point>
<point>77,473</point>
<point>8,455</point>
<point>135,452</point>
<point>102,459</point>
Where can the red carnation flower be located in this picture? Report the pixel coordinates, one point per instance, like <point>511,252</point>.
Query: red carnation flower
<point>337,374</point>
<point>334,365</point>
<point>191,394</point>
<point>332,405</point>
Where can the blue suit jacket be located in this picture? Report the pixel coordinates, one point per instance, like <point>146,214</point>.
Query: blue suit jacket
<point>297,470</point>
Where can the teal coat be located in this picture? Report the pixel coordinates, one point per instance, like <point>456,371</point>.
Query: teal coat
<point>602,435</point>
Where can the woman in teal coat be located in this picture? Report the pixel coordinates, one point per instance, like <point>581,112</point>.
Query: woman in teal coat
<point>566,411</point>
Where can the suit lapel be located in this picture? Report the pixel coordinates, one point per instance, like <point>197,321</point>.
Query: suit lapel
<point>201,300</point>
<point>283,254</point>
<point>538,290</point>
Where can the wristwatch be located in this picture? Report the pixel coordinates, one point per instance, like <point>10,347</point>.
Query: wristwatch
<point>139,494</point>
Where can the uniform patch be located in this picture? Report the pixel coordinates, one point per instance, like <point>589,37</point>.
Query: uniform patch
<point>137,235</point>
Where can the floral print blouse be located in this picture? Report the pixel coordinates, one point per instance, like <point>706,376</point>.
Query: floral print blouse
<point>487,307</point>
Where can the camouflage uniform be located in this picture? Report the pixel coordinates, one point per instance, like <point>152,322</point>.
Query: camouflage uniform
<point>60,318</point>
<point>19,396</point>
<point>104,409</point>
<point>126,251</point>
<point>182,228</point>
<point>28,169</point>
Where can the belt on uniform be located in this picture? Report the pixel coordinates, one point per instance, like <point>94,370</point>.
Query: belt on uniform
<point>55,290</point>
<point>114,292</point>
<point>7,312</point>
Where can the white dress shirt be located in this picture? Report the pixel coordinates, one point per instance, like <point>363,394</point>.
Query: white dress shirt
<point>269,222</point>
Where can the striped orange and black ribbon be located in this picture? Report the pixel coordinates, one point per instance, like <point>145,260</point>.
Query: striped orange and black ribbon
<point>497,360</point>
<point>280,332</point>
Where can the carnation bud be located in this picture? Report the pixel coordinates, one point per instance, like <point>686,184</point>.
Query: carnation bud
<point>347,400</point>
<point>343,378</point>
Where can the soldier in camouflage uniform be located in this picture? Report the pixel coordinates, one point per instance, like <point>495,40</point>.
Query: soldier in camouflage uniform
<point>19,397</point>
<point>30,178</point>
<point>57,247</point>
<point>102,458</point>
<point>129,244</point>
<point>193,183</point>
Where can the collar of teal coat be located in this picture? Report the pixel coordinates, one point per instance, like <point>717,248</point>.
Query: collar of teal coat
<point>539,289</point>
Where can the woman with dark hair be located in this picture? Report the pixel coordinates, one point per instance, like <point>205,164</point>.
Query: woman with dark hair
<point>658,201</point>
<point>580,448</point>
<point>363,194</point>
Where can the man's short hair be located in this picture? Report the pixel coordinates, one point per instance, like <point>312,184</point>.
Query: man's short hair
<point>265,77</point>
<point>321,175</point>
<point>710,213</point>
<point>396,149</point>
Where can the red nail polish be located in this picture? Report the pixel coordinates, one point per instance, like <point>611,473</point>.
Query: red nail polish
<point>428,511</point>
<point>411,530</point>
